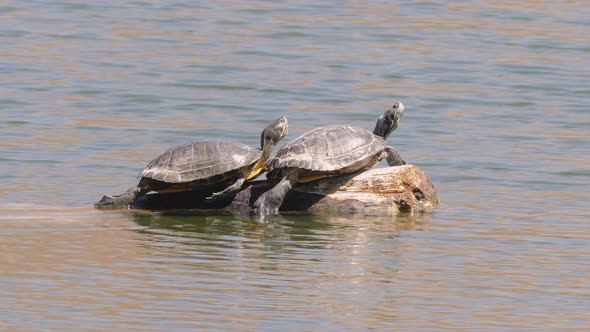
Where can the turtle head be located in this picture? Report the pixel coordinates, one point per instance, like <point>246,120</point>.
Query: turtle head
<point>271,136</point>
<point>389,120</point>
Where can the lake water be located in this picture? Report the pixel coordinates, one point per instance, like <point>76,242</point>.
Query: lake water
<point>497,114</point>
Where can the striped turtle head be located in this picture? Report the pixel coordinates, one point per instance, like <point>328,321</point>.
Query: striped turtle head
<point>271,136</point>
<point>389,120</point>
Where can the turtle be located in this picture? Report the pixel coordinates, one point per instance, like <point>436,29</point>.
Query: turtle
<point>204,166</point>
<point>328,151</point>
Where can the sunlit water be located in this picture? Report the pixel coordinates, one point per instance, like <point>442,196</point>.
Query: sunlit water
<point>496,98</point>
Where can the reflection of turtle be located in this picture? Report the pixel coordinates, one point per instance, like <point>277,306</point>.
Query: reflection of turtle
<point>203,166</point>
<point>329,151</point>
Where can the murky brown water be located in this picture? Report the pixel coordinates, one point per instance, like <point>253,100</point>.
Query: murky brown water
<point>496,100</point>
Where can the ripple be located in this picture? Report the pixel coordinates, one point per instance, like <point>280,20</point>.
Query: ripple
<point>582,173</point>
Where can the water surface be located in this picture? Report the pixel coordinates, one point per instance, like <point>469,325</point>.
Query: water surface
<point>496,102</point>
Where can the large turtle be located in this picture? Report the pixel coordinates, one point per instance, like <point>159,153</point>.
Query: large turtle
<point>329,151</point>
<point>203,166</point>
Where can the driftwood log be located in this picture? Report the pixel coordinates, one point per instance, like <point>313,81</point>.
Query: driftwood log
<point>378,191</point>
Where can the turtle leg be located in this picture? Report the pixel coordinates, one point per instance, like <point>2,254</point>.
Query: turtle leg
<point>270,202</point>
<point>393,158</point>
<point>124,200</point>
<point>229,191</point>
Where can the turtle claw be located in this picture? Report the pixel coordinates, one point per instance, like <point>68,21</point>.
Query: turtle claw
<point>215,196</point>
<point>227,192</point>
<point>266,205</point>
<point>270,202</point>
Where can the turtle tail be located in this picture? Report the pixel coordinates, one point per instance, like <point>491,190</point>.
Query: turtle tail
<point>125,200</point>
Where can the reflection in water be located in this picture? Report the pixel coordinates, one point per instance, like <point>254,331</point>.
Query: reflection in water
<point>288,230</point>
<point>304,264</point>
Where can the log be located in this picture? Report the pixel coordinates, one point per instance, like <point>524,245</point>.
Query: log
<point>378,191</point>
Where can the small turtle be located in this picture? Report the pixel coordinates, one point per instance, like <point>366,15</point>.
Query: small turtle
<point>203,166</point>
<point>329,151</point>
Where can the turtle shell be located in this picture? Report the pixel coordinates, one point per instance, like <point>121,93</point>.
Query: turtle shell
<point>200,160</point>
<point>331,148</point>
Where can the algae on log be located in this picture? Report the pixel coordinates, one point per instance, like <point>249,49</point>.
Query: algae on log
<point>378,191</point>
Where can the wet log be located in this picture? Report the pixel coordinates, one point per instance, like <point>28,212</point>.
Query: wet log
<point>378,191</point>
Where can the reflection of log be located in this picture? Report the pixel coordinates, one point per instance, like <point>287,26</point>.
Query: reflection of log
<point>374,192</point>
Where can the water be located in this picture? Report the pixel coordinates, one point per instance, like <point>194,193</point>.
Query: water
<point>496,100</point>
